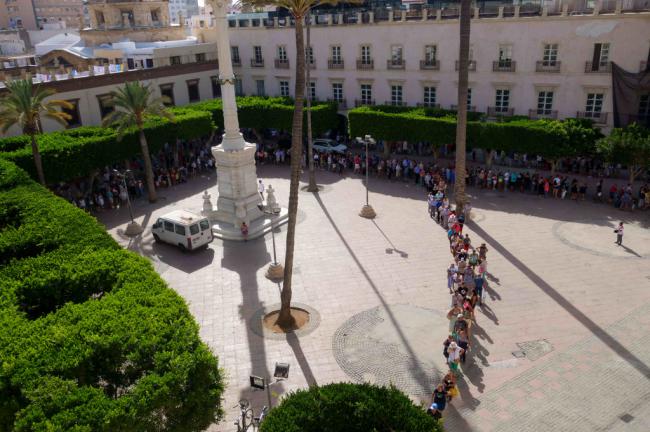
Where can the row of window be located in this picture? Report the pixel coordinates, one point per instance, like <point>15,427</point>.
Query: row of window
<point>550,55</point>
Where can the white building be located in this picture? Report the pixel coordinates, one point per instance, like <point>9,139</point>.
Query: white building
<point>525,60</point>
<point>184,8</point>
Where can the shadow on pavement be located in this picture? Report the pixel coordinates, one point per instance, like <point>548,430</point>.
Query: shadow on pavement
<point>596,330</point>
<point>392,248</point>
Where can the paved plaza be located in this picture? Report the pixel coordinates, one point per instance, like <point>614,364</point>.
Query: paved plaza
<point>562,342</point>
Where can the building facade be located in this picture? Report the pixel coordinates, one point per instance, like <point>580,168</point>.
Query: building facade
<point>540,62</point>
<point>18,14</point>
<point>70,12</point>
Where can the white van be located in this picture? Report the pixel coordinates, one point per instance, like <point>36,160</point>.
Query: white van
<point>184,229</point>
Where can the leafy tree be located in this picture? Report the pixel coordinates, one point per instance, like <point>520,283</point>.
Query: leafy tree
<point>134,103</point>
<point>629,146</point>
<point>461,125</point>
<point>24,106</point>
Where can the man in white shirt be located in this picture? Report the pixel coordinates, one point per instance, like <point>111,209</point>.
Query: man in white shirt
<point>260,188</point>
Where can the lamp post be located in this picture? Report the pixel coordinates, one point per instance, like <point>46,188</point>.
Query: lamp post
<point>275,272</point>
<point>367,211</point>
<point>133,228</point>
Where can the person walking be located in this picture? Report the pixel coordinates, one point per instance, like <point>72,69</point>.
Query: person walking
<point>619,234</point>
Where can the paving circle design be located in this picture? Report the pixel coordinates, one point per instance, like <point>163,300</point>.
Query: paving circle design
<point>258,328</point>
<point>598,239</point>
<point>398,344</point>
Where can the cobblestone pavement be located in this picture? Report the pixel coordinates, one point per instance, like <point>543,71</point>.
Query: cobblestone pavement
<point>555,276</point>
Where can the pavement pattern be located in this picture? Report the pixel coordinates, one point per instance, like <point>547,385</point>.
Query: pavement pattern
<point>559,291</point>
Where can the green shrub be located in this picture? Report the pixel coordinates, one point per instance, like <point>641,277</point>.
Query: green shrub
<point>91,338</point>
<point>348,407</point>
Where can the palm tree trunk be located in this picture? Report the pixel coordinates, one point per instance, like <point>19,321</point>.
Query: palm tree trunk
<point>461,124</point>
<point>37,159</point>
<point>285,320</point>
<point>313,187</point>
<point>148,168</point>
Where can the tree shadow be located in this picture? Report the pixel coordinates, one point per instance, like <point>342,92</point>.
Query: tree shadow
<point>294,343</point>
<point>596,330</point>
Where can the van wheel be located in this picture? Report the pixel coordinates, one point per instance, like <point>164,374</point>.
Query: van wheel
<point>156,238</point>
<point>182,247</point>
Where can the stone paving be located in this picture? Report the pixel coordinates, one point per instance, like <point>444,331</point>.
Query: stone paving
<point>555,276</point>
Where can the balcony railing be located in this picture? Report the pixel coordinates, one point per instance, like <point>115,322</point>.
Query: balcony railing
<point>362,102</point>
<point>429,65</point>
<point>395,103</point>
<point>428,105</point>
<point>542,114</point>
<point>597,117</point>
<point>257,63</point>
<point>395,64</point>
<point>342,104</point>
<point>470,67</point>
<point>365,64</point>
<point>547,66</point>
<point>500,112</point>
<point>236,62</point>
<point>504,66</point>
<point>603,67</point>
<point>335,64</point>
<point>470,108</point>
<point>281,63</point>
<point>312,64</point>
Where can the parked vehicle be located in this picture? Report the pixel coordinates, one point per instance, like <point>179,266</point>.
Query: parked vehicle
<point>187,230</point>
<point>328,145</point>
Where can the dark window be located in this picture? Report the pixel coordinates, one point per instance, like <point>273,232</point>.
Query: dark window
<point>168,91</point>
<point>180,229</point>
<point>75,118</point>
<point>194,229</point>
<point>149,63</point>
<point>200,58</point>
<point>130,64</point>
<point>105,104</point>
<point>169,226</point>
<point>205,225</point>
<point>216,87</point>
<point>175,60</point>
<point>193,90</point>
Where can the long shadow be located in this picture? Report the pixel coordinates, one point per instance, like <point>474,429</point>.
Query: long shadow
<point>630,251</point>
<point>489,313</point>
<point>392,248</point>
<point>246,259</point>
<point>596,330</point>
<point>419,372</point>
<point>294,343</point>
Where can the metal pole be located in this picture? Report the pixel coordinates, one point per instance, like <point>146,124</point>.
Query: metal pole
<point>367,170</point>
<point>275,259</point>
<point>128,199</point>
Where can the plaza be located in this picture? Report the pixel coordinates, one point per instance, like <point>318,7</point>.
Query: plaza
<point>561,343</point>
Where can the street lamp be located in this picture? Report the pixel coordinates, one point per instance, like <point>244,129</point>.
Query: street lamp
<point>132,229</point>
<point>367,211</point>
<point>275,272</point>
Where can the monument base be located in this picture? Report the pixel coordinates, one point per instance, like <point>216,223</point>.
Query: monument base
<point>257,227</point>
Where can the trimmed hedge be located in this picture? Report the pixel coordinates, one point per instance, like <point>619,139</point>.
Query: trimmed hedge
<point>91,338</point>
<point>549,138</point>
<point>77,152</point>
<point>348,407</point>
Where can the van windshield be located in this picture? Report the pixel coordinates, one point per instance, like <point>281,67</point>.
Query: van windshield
<point>205,225</point>
<point>194,229</point>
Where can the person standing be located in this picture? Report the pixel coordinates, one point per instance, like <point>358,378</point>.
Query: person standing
<point>439,397</point>
<point>619,234</point>
<point>260,188</point>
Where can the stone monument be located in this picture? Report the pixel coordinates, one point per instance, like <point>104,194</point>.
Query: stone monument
<point>238,200</point>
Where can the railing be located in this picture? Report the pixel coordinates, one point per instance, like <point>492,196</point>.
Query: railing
<point>236,62</point>
<point>395,103</point>
<point>498,111</point>
<point>471,66</point>
<point>427,105</point>
<point>470,108</point>
<point>335,64</point>
<point>257,63</point>
<point>546,66</point>
<point>396,64</point>
<point>504,66</point>
<point>311,65</point>
<point>342,104</point>
<point>365,64</point>
<point>280,64</point>
<point>429,65</point>
<point>542,114</point>
<point>597,117</point>
<point>362,102</point>
<point>602,67</point>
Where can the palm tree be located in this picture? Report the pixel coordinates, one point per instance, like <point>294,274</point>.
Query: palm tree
<point>134,103</point>
<point>24,106</point>
<point>461,116</point>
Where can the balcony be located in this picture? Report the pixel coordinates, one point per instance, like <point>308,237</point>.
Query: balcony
<point>536,114</point>
<point>602,67</point>
<point>504,66</point>
<point>597,117</point>
<point>429,65</point>
<point>236,62</point>
<point>395,64</point>
<point>395,103</point>
<point>470,108</point>
<point>428,105</point>
<point>500,112</point>
<point>365,64</point>
<point>335,64</point>
<point>341,104</point>
<point>362,102</point>
<point>547,66</point>
<point>470,67</point>
<point>281,63</point>
<point>257,63</point>
<point>311,65</point>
